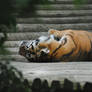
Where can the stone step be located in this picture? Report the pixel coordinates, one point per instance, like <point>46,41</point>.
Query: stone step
<point>80,72</point>
<point>46,27</point>
<point>65,1</point>
<point>62,20</point>
<point>64,13</point>
<point>59,13</point>
<point>13,50</point>
<point>12,44</point>
<point>64,7</point>
<point>33,31</point>
<point>16,58</point>
<point>61,1</point>
<point>24,36</point>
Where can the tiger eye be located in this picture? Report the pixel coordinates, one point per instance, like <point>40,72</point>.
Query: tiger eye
<point>38,50</point>
<point>32,47</point>
<point>37,43</point>
<point>37,40</point>
<point>57,38</point>
<point>33,53</point>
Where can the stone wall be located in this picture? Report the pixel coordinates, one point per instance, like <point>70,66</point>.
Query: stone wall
<point>60,14</point>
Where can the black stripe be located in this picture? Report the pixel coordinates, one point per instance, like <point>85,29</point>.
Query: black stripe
<point>56,49</point>
<point>91,45</point>
<point>67,55</point>
<point>37,40</point>
<point>57,38</point>
<point>37,43</point>
<point>32,46</point>
<point>59,47</point>
<point>79,54</point>
<point>47,39</point>
<point>90,41</point>
<point>72,39</point>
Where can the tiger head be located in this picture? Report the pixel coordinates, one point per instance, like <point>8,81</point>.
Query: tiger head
<point>57,46</point>
<point>52,47</point>
<point>23,49</point>
<point>31,50</point>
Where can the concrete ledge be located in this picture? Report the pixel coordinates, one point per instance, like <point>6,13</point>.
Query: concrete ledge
<point>46,27</point>
<point>59,13</point>
<point>64,20</point>
<point>75,71</point>
<point>24,36</point>
<point>63,7</point>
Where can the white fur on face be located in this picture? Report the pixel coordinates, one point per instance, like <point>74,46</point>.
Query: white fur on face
<point>63,39</point>
<point>46,39</point>
<point>33,43</point>
<point>42,38</point>
<point>29,44</point>
<point>45,50</point>
<point>22,43</point>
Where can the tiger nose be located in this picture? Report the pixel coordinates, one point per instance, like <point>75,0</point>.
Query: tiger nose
<point>43,53</point>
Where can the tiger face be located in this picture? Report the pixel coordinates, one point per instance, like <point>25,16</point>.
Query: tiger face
<point>50,47</point>
<point>31,50</point>
<point>23,49</point>
<point>36,50</point>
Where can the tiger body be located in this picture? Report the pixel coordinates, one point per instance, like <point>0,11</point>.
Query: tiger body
<point>66,45</point>
<point>77,47</point>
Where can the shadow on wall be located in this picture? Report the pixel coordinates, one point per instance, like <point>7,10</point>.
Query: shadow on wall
<point>12,80</point>
<point>42,86</point>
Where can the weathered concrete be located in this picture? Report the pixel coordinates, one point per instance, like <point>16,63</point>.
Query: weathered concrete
<point>63,13</point>
<point>63,7</point>
<point>24,36</point>
<point>75,71</point>
<point>64,20</point>
<point>46,27</point>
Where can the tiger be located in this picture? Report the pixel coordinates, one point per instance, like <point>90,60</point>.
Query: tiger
<point>64,45</point>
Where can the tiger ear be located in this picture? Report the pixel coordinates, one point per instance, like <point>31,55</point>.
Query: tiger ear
<point>45,51</point>
<point>51,31</point>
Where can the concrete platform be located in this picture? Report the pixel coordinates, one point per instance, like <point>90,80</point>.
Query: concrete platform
<point>74,71</point>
